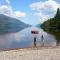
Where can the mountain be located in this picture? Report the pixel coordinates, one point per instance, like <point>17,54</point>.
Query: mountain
<point>8,24</point>
<point>38,25</point>
<point>53,23</point>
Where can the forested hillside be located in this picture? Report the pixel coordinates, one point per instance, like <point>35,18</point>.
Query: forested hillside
<point>53,23</point>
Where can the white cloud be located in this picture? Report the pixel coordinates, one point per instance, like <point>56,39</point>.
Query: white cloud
<point>45,9</point>
<point>52,5</point>
<point>20,14</point>
<point>8,10</point>
<point>41,17</point>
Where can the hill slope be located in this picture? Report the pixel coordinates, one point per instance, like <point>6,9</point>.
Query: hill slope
<point>8,24</point>
<point>53,23</point>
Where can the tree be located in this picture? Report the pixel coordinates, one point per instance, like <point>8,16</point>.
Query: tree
<point>57,13</point>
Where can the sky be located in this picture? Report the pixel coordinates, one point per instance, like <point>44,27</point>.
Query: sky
<point>30,11</point>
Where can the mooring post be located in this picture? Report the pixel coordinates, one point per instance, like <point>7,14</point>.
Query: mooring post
<point>34,41</point>
<point>42,38</point>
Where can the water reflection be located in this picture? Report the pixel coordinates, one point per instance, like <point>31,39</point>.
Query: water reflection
<point>56,33</point>
<point>24,38</point>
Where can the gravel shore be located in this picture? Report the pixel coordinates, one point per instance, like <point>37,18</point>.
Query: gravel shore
<point>31,54</point>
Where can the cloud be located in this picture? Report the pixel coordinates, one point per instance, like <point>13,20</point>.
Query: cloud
<point>41,17</point>
<point>8,10</point>
<point>45,5</point>
<point>20,14</point>
<point>8,1</point>
<point>45,10</point>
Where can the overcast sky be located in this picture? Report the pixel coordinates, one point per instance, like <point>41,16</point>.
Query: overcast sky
<point>30,11</point>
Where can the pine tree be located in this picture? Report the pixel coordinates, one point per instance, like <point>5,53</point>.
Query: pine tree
<point>57,13</point>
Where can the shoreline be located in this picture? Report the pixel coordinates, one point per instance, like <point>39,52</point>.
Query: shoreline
<point>33,48</point>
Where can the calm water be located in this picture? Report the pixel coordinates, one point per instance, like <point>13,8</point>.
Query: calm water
<point>24,39</point>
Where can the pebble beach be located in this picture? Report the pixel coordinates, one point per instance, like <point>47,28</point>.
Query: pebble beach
<point>42,53</point>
